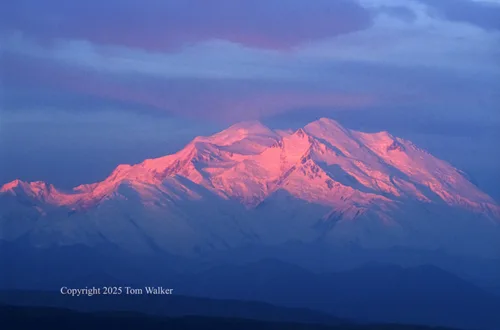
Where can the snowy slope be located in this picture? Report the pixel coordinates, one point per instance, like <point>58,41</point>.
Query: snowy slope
<point>251,185</point>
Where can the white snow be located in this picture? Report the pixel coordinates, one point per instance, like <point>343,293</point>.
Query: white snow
<point>249,181</point>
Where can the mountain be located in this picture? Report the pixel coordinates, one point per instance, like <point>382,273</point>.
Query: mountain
<point>372,293</point>
<point>166,306</point>
<point>59,318</point>
<point>272,290</point>
<point>252,186</point>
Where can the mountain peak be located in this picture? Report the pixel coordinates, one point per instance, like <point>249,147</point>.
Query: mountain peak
<point>33,189</point>
<point>325,126</point>
<point>345,179</point>
<point>35,185</point>
<point>328,121</point>
<point>300,133</point>
<point>249,137</point>
<point>248,127</point>
<point>11,185</point>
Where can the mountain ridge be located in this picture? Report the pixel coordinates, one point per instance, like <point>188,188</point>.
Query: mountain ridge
<point>374,293</point>
<point>359,187</point>
<point>209,149</point>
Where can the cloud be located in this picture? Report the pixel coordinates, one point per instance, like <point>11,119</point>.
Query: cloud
<point>424,41</point>
<point>482,13</point>
<point>421,42</point>
<point>169,24</point>
<point>212,59</point>
<point>401,12</point>
<point>30,84</point>
<point>405,56</point>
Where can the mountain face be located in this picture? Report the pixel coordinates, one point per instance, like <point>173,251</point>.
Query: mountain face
<point>249,185</point>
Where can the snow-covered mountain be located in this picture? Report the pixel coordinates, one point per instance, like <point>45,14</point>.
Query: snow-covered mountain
<point>250,185</point>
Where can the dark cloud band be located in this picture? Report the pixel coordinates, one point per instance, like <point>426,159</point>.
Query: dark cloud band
<point>167,24</point>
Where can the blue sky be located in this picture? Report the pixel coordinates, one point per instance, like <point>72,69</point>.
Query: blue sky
<point>124,66</point>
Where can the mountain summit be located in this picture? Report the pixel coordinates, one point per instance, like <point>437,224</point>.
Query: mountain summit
<point>251,185</point>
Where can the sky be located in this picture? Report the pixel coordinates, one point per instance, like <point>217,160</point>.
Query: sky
<point>87,85</point>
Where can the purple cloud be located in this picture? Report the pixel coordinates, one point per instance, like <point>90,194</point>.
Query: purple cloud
<point>35,83</point>
<point>42,83</point>
<point>167,24</point>
<point>59,54</point>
